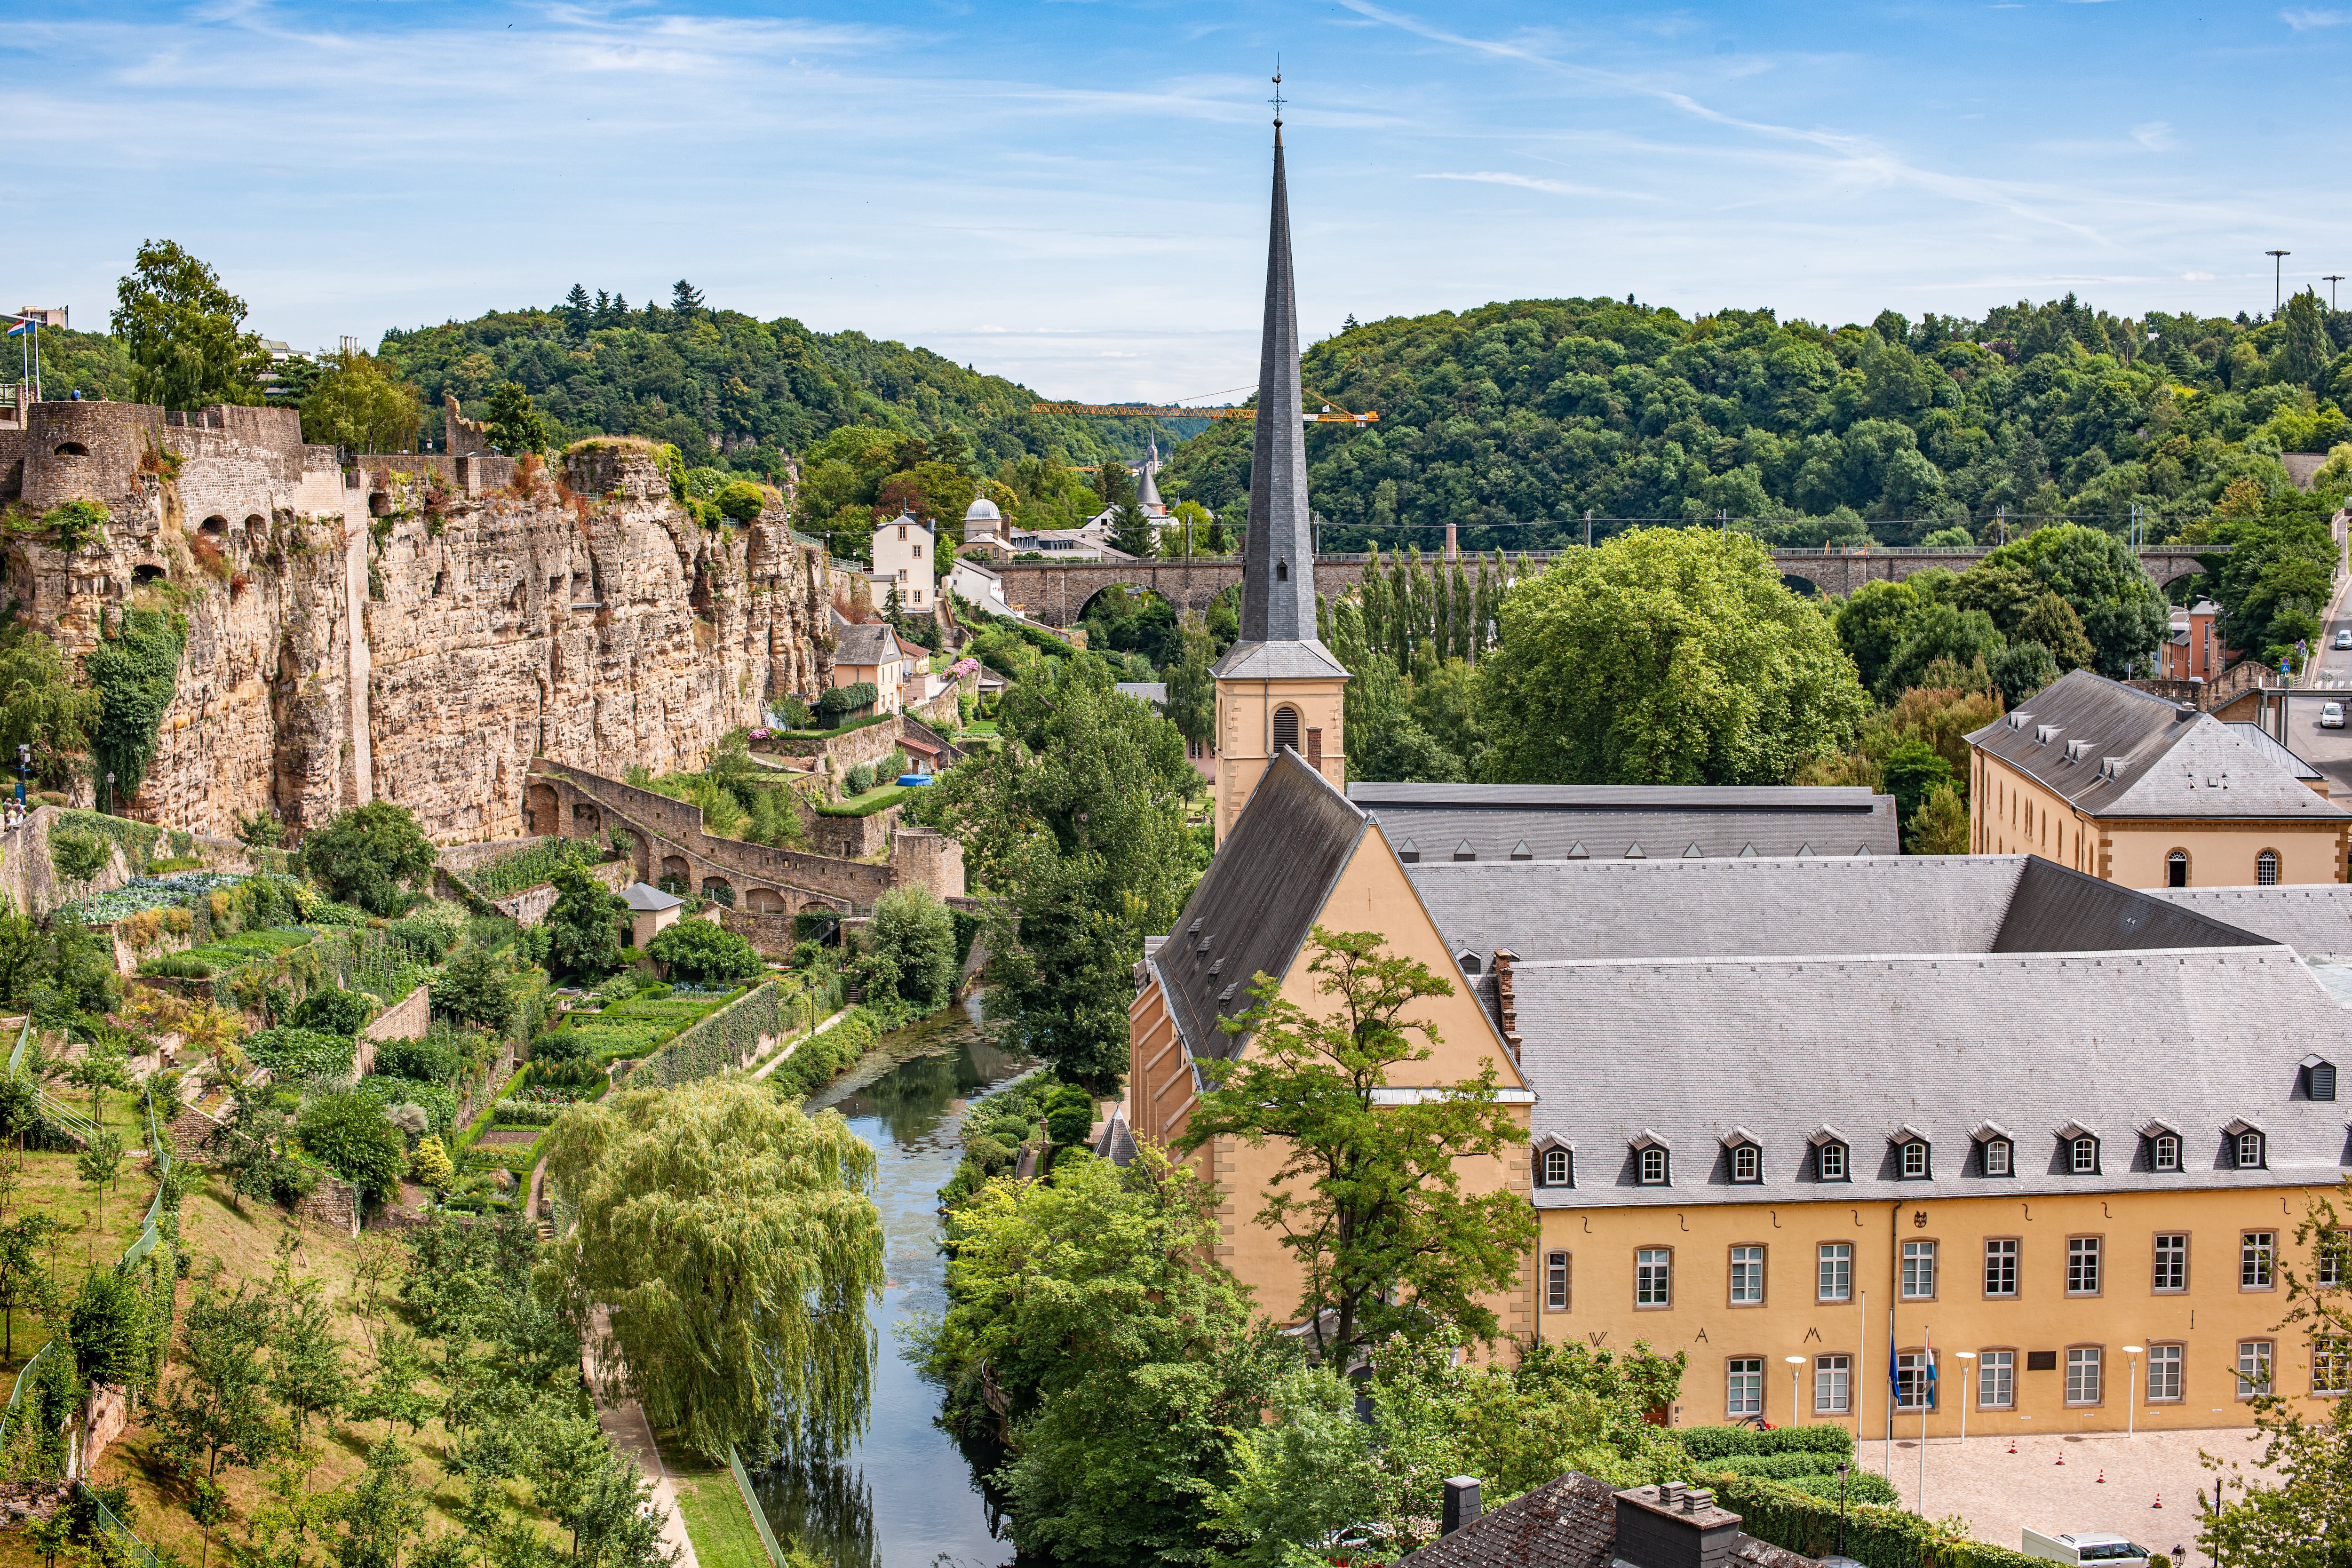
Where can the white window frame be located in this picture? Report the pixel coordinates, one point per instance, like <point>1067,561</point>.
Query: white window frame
<point>1832,1163</point>
<point>1653,1276</point>
<point>2171,1260</point>
<point>1998,1158</point>
<point>2085,1375</point>
<point>2266,868</point>
<point>2166,1155</point>
<point>2250,1142</point>
<point>2001,1260</point>
<point>2331,1365</point>
<point>1743,1386</point>
<point>1834,1272</point>
<point>1557,1282</point>
<point>1997,1373</point>
<point>1652,1158</point>
<point>2257,1260</point>
<point>2328,1258</point>
<point>1913,1390</point>
<point>1917,1164</point>
<point>2084,1254</point>
<point>2083,1156</point>
<point>1747,1275</point>
<point>2168,1371</point>
<point>1746,1163</point>
<point>1558,1170</point>
<point>1832,1385</point>
<point>2260,1357</point>
<point>1918,1269</point>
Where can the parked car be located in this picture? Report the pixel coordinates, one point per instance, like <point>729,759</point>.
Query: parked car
<point>2331,715</point>
<point>2343,637</point>
<point>2084,1546</point>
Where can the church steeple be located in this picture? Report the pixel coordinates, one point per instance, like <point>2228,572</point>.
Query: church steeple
<point>1277,686</point>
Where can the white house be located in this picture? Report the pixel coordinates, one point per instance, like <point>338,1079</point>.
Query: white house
<point>906,558</point>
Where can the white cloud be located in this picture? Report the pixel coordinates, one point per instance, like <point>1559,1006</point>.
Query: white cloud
<point>2196,276</point>
<point>1529,181</point>
<point>2156,136</point>
<point>2303,21</point>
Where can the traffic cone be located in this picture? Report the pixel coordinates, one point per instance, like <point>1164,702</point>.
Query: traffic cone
<point>2102,1474</point>
<point>2159,1500</point>
<point>2062,1456</point>
<point>2012,1444</point>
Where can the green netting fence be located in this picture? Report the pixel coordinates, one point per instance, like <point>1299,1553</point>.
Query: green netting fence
<point>759,1514</point>
<point>131,1547</point>
<point>725,1039</point>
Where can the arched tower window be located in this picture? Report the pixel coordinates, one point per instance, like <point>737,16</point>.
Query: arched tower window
<point>2266,868</point>
<point>2176,868</point>
<point>1285,727</point>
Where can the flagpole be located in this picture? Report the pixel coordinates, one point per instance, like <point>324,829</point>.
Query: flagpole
<point>1927,1373</point>
<point>1862,1370</point>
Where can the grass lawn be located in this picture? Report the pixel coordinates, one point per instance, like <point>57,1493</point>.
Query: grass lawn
<point>878,798</point>
<point>716,1520</point>
<point>980,727</point>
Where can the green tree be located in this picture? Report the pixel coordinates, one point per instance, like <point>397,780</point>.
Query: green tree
<point>40,706</point>
<point>1132,529</point>
<point>109,1330</point>
<point>24,1278</point>
<point>1192,688</point>
<point>1912,770</point>
<point>582,925</point>
<point>514,426</point>
<point>1369,1199</point>
<point>349,1136</point>
<point>136,673</point>
<point>742,501</point>
<point>2122,613</point>
<point>475,987</point>
<point>369,855</point>
<point>184,333</point>
<point>361,405</point>
<point>306,1359</point>
<point>1940,826</point>
<point>1664,656</point>
<point>383,1515</point>
<point>698,952</point>
<point>1076,831</point>
<point>916,931</point>
<point>2020,669</point>
<point>1870,624</point>
<point>2275,577</point>
<point>2051,622</point>
<point>217,1411</point>
<point>735,1242</point>
<point>2303,358</point>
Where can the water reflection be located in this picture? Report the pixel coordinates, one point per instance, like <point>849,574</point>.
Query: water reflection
<point>904,1496</point>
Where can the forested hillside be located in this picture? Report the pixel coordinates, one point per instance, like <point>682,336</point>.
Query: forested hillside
<point>1543,409</point>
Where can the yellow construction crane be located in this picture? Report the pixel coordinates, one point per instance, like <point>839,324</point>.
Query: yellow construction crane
<point>1329,416</point>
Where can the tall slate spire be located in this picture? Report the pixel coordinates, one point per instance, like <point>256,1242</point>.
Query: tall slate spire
<point>1278,558</point>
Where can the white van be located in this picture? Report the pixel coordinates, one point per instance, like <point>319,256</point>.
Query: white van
<point>2083,1546</point>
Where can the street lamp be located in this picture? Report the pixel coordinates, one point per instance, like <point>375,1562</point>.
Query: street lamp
<point>1794,1362</point>
<point>109,792</point>
<point>2131,1406</point>
<point>2275,275</point>
<point>1967,1374</point>
<point>2331,280</point>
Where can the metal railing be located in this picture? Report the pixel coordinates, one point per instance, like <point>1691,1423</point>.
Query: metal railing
<point>759,1514</point>
<point>132,1547</point>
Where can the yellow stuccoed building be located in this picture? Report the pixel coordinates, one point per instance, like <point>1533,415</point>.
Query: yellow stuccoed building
<point>2131,787</point>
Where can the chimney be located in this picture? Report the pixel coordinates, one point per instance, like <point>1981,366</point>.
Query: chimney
<point>1673,1526</point>
<point>1507,1010</point>
<point>1461,1502</point>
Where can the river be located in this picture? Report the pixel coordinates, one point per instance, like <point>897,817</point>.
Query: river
<point>904,1496</point>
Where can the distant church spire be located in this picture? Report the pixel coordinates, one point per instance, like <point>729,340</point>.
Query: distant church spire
<point>1278,564</point>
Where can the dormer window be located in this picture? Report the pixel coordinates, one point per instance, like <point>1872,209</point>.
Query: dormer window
<point>1996,1151</point>
<point>1911,1157</point>
<point>1520,851</point>
<point>1470,962</point>
<point>1409,852</point>
<point>1833,1158</point>
<point>2079,1146</point>
<point>2163,1144</point>
<point>1653,1162</point>
<point>2318,1078</point>
<point>1463,851</point>
<point>1555,1163</point>
<point>2248,1147</point>
<point>1915,1161</point>
<point>1746,1156</point>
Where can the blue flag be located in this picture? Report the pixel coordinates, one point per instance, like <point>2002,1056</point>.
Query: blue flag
<point>20,329</point>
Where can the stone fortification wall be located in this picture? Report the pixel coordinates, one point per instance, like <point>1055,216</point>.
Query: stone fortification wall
<point>410,1018</point>
<point>355,637</point>
<point>29,881</point>
<point>851,837</point>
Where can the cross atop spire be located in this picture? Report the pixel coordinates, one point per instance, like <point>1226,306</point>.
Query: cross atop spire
<point>1277,99</point>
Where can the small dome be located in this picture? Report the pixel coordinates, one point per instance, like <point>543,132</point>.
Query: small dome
<point>982,511</point>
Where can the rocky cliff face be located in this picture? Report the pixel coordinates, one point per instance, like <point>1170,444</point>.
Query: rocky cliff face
<point>409,631</point>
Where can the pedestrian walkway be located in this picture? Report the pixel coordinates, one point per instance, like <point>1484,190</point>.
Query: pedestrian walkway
<point>772,1063</point>
<point>623,1421</point>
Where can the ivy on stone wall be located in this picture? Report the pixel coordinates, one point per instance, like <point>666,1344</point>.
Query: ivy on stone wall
<point>136,672</point>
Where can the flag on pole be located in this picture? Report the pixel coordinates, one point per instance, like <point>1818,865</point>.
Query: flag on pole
<point>1927,1370</point>
<point>21,328</point>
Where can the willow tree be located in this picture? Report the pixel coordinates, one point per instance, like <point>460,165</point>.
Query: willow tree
<point>734,1243</point>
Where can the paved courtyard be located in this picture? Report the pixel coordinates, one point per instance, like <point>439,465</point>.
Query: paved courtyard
<point>2001,1493</point>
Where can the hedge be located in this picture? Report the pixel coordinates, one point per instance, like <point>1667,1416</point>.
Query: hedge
<point>849,698</point>
<point>1704,1443</point>
<point>1880,1536</point>
<point>721,1041</point>
<point>528,1113</point>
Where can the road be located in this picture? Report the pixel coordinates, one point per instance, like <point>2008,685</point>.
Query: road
<point>2329,677</point>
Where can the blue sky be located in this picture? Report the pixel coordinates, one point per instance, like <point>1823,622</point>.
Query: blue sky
<point>1073,194</point>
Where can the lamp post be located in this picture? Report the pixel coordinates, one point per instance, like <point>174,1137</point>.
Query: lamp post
<point>1842,1471</point>
<point>110,792</point>
<point>2276,274</point>
<point>23,772</point>
<point>1795,1361</point>
<point>1968,1373</point>
<point>2131,1405</point>
<point>2331,280</point>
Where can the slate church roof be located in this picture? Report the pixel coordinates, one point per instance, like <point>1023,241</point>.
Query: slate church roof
<point>1613,822</point>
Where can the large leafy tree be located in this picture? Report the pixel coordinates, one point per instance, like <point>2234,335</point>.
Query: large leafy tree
<point>514,426</point>
<point>734,1241</point>
<point>41,707</point>
<point>2096,573</point>
<point>2274,579</point>
<point>184,333</point>
<point>1664,656</point>
<point>357,404</point>
<point>584,926</point>
<point>1369,1198</point>
<point>1075,834</point>
<point>369,855</point>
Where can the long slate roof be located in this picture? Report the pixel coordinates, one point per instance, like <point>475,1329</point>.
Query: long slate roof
<point>2115,751</point>
<point>1609,822</point>
<point>2314,919</point>
<point>1256,906</point>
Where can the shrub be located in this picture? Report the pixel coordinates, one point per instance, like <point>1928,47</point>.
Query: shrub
<point>859,779</point>
<point>561,1046</point>
<point>741,500</point>
<point>367,854</point>
<point>429,1061</point>
<point>343,1013</point>
<point>432,1167</point>
<point>348,1133</point>
<point>296,1053</point>
<point>430,936</point>
<point>436,1101</point>
<point>1794,1518</point>
<point>849,698</point>
<point>699,950</point>
<point>917,934</point>
<point>1704,1443</point>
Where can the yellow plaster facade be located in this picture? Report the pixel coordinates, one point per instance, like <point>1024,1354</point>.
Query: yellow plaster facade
<point>2067,1371</point>
<point>1249,714</point>
<point>1372,893</point>
<point>2010,813</point>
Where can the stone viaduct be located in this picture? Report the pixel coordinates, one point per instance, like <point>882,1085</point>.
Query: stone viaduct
<point>1056,593</point>
<point>751,880</point>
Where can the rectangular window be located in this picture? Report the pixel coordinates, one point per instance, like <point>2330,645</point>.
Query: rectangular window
<point>1996,1157</point>
<point>2253,1368</point>
<point>1747,1164</point>
<point>2082,1266</point>
<point>1743,1391</point>
<point>1918,1270</point>
<point>1556,1281</point>
<point>1996,1380</point>
<point>1836,1271</point>
<point>2255,1248</point>
<point>2166,1154</point>
<point>1654,1268</point>
<point>2000,1266</point>
<point>1555,1168</point>
<point>2331,1365</point>
<point>2082,1374</point>
<point>1830,1160</point>
<point>1832,1385</point>
<point>2164,1371</point>
<point>1915,1381</point>
<point>1747,1275</point>
<point>2172,1261</point>
<point>2328,1264</point>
